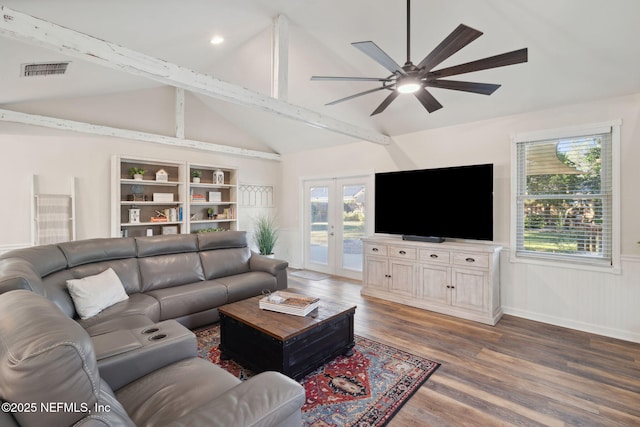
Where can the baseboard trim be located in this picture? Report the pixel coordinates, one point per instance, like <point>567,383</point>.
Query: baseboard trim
<point>579,326</point>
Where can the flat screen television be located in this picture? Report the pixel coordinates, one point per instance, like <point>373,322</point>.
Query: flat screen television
<point>433,204</point>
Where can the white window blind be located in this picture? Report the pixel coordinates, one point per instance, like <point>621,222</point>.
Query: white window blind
<point>564,198</point>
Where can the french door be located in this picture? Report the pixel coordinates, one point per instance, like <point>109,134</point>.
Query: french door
<point>336,217</point>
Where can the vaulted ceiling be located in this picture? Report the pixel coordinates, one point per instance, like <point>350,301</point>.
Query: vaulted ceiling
<point>579,50</point>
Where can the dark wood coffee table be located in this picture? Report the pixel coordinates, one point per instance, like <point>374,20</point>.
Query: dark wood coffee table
<point>263,340</point>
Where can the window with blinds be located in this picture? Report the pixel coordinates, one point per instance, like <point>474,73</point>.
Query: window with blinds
<point>564,198</point>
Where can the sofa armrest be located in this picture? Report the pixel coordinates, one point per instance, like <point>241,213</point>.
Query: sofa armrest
<point>17,273</point>
<point>268,399</point>
<point>273,266</point>
<point>276,267</point>
<point>126,355</point>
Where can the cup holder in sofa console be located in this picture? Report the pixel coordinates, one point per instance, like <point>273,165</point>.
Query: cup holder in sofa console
<point>157,337</point>
<point>157,346</point>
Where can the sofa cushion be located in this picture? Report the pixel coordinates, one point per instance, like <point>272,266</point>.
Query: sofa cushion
<point>167,394</point>
<point>165,245</point>
<point>18,273</point>
<point>222,240</point>
<point>124,322</point>
<point>137,304</point>
<point>55,286</point>
<point>182,300</point>
<point>163,271</point>
<point>49,358</point>
<point>45,259</point>
<point>95,250</point>
<point>225,262</point>
<point>126,269</point>
<point>92,294</point>
<point>247,285</point>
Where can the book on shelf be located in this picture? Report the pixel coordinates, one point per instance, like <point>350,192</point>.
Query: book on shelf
<point>289,303</point>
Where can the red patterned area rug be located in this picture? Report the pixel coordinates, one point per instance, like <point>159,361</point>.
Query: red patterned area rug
<point>366,389</point>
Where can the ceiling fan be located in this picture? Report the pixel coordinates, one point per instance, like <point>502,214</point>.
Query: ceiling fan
<point>415,79</point>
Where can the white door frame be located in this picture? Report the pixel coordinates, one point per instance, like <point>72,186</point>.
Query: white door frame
<point>335,249</point>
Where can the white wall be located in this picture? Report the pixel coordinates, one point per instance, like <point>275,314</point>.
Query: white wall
<point>88,159</point>
<point>604,303</point>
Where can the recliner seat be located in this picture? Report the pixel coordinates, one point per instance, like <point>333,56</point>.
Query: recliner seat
<point>48,366</point>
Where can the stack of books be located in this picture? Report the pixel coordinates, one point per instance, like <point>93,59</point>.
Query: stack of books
<point>289,303</point>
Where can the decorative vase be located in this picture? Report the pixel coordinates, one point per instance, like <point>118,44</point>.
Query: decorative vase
<point>218,176</point>
<point>196,179</point>
<point>138,176</point>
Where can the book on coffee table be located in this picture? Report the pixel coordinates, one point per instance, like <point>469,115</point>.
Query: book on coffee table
<point>289,303</point>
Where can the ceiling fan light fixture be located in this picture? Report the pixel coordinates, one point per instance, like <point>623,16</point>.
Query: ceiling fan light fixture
<point>408,85</point>
<point>217,39</point>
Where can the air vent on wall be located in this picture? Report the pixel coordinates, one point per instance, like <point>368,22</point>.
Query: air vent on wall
<point>44,69</point>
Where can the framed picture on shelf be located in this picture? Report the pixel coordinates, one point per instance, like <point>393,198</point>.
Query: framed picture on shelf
<point>170,229</point>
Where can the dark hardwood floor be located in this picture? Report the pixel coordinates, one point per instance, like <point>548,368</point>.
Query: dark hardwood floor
<point>519,372</point>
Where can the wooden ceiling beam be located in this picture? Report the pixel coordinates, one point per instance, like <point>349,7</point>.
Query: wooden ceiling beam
<point>26,28</point>
<point>88,128</point>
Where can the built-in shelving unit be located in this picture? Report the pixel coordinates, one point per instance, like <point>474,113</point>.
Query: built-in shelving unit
<point>213,202</point>
<point>173,203</point>
<point>160,203</point>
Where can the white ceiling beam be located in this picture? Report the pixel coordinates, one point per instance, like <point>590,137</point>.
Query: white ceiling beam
<point>74,126</point>
<point>26,28</point>
<point>179,112</point>
<point>280,58</point>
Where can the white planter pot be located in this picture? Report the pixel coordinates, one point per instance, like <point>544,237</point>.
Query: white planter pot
<point>196,180</point>
<point>138,177</point>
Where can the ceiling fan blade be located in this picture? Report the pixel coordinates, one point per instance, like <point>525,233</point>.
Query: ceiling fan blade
<point>427,100</point>
<point>509,58</point>
<point>388,100</point>
<point>337,101</point>
<point>351,79</point>
<point>481,88</point>
<point>374,52</point>
<point>459,38</point>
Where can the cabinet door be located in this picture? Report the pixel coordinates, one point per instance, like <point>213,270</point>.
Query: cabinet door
<point>376,273</point>
<point>433,284</point>
<point>469,289</point>
<point>402,276</point>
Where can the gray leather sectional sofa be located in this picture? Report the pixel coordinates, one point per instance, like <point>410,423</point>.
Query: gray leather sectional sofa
<point>136,358</point>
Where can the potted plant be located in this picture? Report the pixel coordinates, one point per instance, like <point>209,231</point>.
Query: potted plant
<point>265,235</point>
<point>210,213</point>
<point>137,173</point>
<point>196,174</point>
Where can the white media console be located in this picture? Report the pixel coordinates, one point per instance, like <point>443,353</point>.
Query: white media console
<point>458,279</point>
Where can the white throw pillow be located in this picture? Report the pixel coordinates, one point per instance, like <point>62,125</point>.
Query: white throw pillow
<point>92,294</point>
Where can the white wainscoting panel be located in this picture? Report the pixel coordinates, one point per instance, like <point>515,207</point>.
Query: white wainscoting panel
<point>598,302</point>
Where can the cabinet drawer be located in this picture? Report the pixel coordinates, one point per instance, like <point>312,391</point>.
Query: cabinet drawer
<point>370,249</point>
<point>435,256</point>
<point>471,259</point>
<point>402,252</point>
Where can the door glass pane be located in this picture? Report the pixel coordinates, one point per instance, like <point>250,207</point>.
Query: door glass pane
<point>352,226</point>
<point>319,230</point>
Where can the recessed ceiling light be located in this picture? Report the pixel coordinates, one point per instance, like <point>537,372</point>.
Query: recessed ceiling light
<point>217,39</point>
